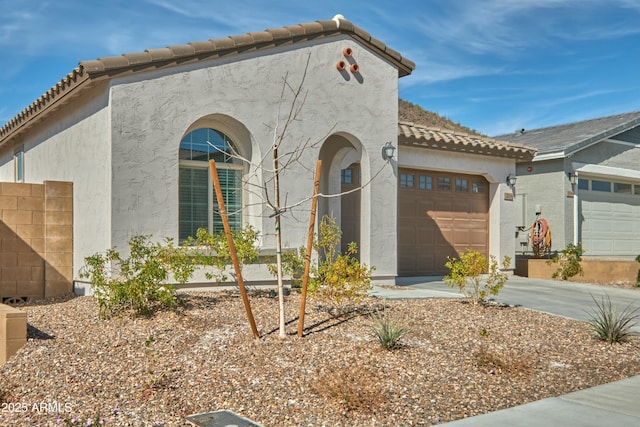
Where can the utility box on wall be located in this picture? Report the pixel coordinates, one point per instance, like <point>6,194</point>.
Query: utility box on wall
<point>36,240</point>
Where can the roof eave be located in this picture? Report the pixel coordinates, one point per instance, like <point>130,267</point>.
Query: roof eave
<point>412,135</point>
<point>105,68</point>
<point>54,98</point>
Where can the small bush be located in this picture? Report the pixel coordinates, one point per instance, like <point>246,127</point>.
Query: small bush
<point>355,388</point>
<point>638,276</point>
<point>469,268</point>
<point>339,279</point>
<point>610,323</point>
<point>212,250</point>
<point>569,260</point>
<point>389,330</point>
<point>136,285</point>
<point>292,266</point>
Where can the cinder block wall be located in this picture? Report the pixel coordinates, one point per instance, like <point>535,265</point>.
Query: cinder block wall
<point>13,331</point>
<point>36,239</point>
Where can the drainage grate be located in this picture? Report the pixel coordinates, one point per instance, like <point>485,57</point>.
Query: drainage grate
<point>14,300</point>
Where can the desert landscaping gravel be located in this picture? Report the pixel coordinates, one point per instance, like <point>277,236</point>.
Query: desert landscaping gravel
<point>458,360</point>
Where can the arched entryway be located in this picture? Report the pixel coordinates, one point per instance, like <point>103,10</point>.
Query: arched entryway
<point>345,169</point>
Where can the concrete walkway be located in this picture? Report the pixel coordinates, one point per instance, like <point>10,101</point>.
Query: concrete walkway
<point>614,404</point>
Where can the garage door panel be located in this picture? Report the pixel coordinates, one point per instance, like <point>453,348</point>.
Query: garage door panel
<point>406,208</point>
<point>610,224</point>
<point>444,223</point>
<point>426,262</point>
<point>444,206</point>
<point>444,237</point>
<point>426,236</point>
<point>425,205</point>
<point>461,205</point>
<point>407,235</point>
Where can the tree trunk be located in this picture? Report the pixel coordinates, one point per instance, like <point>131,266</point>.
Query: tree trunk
<point>276,185</point>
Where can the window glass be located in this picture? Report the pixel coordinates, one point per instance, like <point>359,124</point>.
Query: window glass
<point>444,184</point>
<point>406,180</point>
<point>636,188</point>
<point>619,187</point>
<point>462,185</point>
<point>600,185</point>
<point>18,158</point>
<point>583,184</point>
<point>231,183</point>
<point>346,176</point>
<point>207,144</point>
<point>477,187</point>
<point>198,206</point>
<point>426,183</point>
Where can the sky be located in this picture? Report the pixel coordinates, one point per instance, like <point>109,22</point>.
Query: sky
<point>492,65</point>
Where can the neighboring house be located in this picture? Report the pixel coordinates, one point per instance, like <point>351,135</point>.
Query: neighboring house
<point>133,133</point>
<point>602,209</point>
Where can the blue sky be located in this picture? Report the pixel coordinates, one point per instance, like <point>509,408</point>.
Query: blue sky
<point>492,65</point>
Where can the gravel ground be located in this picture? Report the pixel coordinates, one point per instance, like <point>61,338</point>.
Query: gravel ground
<point>458,360</point>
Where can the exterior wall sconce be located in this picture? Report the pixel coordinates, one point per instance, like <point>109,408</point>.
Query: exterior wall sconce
<point>511,180</point>
<point>387,151</point>
<point>573,177</point>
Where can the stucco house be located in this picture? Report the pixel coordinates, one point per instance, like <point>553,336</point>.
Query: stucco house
<point>133,134</point>
<point>585,180</point>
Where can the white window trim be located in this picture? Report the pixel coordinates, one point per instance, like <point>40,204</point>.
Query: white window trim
<point>197,164</point>
<point>18,164</point>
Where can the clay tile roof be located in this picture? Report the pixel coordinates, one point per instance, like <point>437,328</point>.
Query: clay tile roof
<point>410,134</point>
<point>108,67</point>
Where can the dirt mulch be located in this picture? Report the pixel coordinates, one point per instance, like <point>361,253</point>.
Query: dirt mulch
<point>459,360</point>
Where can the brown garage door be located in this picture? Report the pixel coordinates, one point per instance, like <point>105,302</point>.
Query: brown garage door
<point>439,215</point>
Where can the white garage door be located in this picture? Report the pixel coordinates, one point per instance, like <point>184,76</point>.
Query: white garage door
<point>610,220</point>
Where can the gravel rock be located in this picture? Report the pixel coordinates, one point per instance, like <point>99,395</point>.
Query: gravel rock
<point>458,360</point>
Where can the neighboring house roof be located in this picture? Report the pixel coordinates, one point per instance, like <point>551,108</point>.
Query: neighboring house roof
<point>566,139</point>
<point>410,134</point>
<point>89,72</point>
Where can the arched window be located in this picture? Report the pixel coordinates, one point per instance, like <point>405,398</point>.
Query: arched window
<point>198,204</point>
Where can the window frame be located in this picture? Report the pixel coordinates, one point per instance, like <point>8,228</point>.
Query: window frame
<point>18,164</point>
<point>233,164</point>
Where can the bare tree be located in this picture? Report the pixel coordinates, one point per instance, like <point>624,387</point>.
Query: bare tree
<point>292,100</point>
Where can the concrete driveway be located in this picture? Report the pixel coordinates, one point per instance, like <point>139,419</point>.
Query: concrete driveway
<point>613,404</point>
<point>560,298</point>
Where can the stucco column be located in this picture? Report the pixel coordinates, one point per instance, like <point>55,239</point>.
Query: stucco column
<point>576,215</point>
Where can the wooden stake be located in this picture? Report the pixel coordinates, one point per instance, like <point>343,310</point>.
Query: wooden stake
<point>307,259</point>
<point>232,247</point>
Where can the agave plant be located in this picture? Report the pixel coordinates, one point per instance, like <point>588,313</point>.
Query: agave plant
<point>611,323</point>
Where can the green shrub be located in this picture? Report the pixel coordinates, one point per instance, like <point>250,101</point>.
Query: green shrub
<point>212,250</point>
<point>610,323</point>
<point>292,266</point>
<point>569,260</point>
<point>136,285</point>
<point>340,279</point>
<point>469,269</point>
<point>389,330</point>
<point>638,276</point>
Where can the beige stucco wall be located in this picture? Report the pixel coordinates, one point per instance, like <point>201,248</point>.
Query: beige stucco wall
<point>242,95</point>
<point>73,145</point>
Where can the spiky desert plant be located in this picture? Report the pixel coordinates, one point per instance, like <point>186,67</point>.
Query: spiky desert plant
<point>611,323</point>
